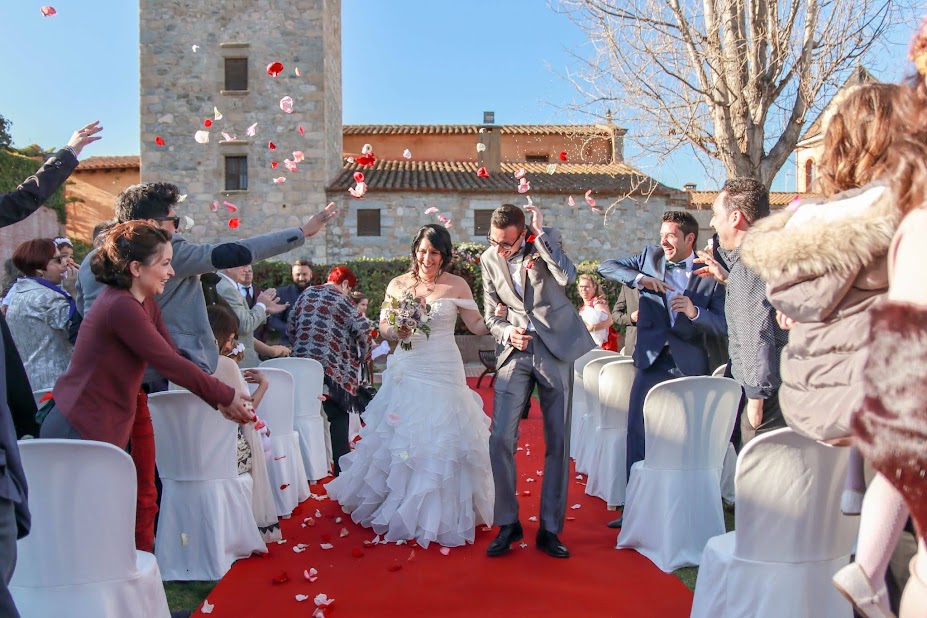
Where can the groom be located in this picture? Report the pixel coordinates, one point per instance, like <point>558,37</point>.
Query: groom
<point>541,336</point>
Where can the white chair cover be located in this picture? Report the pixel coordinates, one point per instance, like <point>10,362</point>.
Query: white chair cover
<point>287,473</point>
<point>790,536</point>
<point>719,372</point>
<point>728,468</point>
<point>608,458</point>
<point>206,521</point>
<point>578,406</point>
<point>674,494</point>
<point>80,560</point>
<point>308,418</point>
<point>593,412</point>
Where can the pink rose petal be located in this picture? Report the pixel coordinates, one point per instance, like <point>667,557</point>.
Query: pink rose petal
<point>48,11</point>
<point>252,130</point>
<point>280,180</point>
<point>214,206</point>
<point>589,199</point>
<point>298,156</point>
<point>322,600</point>
<point>289,165</point>
<point>571,201</point>
<point>519,173</point>
<point>286,104</point>
<point>445,551</point>
<point>297,71</point>
<point>229,138</point>
<point>232,207</point>
<point>407,154</point>
<point>431,211</point>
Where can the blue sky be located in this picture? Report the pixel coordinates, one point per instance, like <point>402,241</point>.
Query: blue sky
<point>405,61</point>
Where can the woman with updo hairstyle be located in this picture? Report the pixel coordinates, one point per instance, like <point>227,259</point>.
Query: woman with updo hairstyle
<point>42,316</point>
<point>96,397</point>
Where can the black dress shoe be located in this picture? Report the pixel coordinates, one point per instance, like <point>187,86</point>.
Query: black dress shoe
<point>549,544</point>
<point>508,534</point>
<point>616,523</point>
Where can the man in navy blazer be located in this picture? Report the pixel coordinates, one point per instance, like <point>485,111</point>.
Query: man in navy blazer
<point>678,313</point>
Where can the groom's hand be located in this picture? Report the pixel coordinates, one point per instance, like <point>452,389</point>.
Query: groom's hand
<point>537,219</point>
<point>520,338</point>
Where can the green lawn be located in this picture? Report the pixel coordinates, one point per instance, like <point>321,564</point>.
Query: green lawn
<point>187,595</point>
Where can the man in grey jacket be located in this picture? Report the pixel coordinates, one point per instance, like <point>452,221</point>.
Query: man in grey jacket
<point>17,407</point>
<point>755,338</point>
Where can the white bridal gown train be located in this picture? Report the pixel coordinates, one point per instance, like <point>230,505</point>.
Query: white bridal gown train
<point>421,469</point>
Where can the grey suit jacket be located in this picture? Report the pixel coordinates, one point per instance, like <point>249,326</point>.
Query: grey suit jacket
<point>248,319</point>
<point>545,302</point>
<point>183,306</point>
<point>628,302</point>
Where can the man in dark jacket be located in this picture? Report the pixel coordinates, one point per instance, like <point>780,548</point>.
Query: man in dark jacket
<point>17,407</point>
<point>288,294</point>
<point>625,313</point>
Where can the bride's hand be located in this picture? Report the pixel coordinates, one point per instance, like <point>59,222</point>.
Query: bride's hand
<point>402,333</point>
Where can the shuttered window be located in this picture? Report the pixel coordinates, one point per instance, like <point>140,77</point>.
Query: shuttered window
<point>368,222</point>
<point>236,173</point>
<point>236,73</point>
<point>481,221</point>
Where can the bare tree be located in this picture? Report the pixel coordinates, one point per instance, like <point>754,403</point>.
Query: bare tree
<point>735,79</point>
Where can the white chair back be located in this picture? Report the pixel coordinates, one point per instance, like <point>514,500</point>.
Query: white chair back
<point>719,372</point>
<point>615,380</point>
<point>688,422</point>
<point>785,482</point>
<point>82,499</point>
<point>308,376</point>
<point>278,404</point>
<point>591,384</point>
<point>194,441</point>
<point>580,363</point>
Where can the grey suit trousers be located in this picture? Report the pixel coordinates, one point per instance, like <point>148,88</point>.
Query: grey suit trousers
<point>515,380</point>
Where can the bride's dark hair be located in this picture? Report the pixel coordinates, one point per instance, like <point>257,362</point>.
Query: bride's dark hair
<point>440,239</point>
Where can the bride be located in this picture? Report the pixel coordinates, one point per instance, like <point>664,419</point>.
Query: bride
<point>421,469</point>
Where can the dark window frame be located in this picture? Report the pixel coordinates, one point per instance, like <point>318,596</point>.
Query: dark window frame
<point>236,174</point>
<point>368,228</point>
<point>236,69</point>
<point>537,158</point>
<point>482,218</point>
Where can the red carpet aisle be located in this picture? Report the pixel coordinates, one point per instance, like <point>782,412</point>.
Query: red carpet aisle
<point>411,582</point>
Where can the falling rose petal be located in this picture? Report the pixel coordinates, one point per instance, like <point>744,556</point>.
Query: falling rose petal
<point>519,173</point>
<point>297,71</point>
<point>184,539</point>
<point>394,567</point>
<point>445,551</point>
<point>443,219</point>
<point>358,177</point>
<point>524,186</point>
<point>529,480</point>
<point>448,224</point>
<point>181,197</point>
<point>48,11</point>
<point>207,123</point>
<point>367,149</point>
<point>299,156</point>
<point>576,506</point>
<point>407,154</point>
<point>589,199</point>
<point>572,202</point>
<point>318,513</point>
<point>302,597</point>
<point>551,168</point>
<point>286,104</point>
<point>431,211</point>
<point>214,206</point>
<point>281,579</point>
<point>563,155</point>
<point>367,159</point>
<point>195,47</point>
<point>234,223</point>
<point>159,140</point>
<point>273,164</point>
<point>344,532</point>
<point>322,600</point>
<point>207,607</point>
<point>229,138</point>
<point>326,545</point>
<point>280,180</point>
<point>274,69</point>
<point>187,222</point>
<point>356,553</point>
<point>284,486</point>
<point>271,145</point>
<point>311,574</point>
<point>533,518</point>
<point>482,173</point>
<point>252,130</point>
<point>217,115</point>
<point>349,160</point>
<point>359,190</point>
<point>481,147</point>
<point>301,130</point>
<point>232,207</point>
<point>530,203</point>
<point>290,165</point>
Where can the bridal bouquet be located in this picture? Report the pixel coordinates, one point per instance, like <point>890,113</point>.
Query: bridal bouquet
<point>408,312</point>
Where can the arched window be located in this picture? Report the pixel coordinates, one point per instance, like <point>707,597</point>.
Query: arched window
<point>809,174</point>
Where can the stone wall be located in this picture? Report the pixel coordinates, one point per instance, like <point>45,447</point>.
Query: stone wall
<point>632,223</point>
<point>180,88</point>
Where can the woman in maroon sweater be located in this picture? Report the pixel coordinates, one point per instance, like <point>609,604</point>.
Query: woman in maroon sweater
<point>95,398</point>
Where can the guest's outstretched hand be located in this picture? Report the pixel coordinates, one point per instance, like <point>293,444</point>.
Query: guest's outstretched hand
<point>711,268</point>
<point>317,222</point>
<point>84,136</point>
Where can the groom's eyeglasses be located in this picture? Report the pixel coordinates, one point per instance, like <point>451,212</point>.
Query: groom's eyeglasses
<point>504,245</point>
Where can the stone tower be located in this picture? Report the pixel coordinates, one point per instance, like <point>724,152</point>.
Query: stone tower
<point>181,86</point>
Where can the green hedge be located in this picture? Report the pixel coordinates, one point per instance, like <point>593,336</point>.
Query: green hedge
<point>16,168</point>
<point>374,274</point>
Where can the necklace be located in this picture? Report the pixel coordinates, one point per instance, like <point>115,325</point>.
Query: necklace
<point>428,289</point>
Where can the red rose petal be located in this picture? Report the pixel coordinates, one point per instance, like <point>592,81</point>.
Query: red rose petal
<point>232,207</point>
<point>368,543</point>
<point>274,69</point>
<point>482,173</point>
<point>571,519</point>
<point>284,486</point>
<point>394,567</point>
<point>234,223</point>
<point>272,145</point>
<point>207,123</point>
<point>563,155</point>
<point>367,159</point>
<point>159,140</point>
<point>526,493</point>
<point>281,579</point>
<point>274,164</point>
<point>302,131</point>
<point>356,552</point>
<point>358,177</point>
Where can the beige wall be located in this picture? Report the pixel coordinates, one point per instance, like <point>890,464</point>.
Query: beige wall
<point>97,191</point>
<point>43,223</point>
<point>810,152</point>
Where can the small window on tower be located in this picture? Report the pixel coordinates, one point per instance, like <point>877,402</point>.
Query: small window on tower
<point>236,173</point>
<point>236,73</point>
<point>537,158</point>
<point>368,222</point>
<point>481,220</point>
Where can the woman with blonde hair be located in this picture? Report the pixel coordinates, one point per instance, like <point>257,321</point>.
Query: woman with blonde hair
<point>595,312</point>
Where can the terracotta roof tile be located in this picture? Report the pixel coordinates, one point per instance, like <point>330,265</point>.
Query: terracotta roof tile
<point>110,163</point>
<point>777,199</point>
<point>613,178</point>
<point>468,129</point>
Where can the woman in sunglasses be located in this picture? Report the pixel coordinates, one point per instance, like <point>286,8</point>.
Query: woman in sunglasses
<point>42,316</point>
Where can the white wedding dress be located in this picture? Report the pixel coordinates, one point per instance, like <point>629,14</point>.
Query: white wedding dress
<point>421,468</point>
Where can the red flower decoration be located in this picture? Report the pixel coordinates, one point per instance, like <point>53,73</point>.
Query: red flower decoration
<point>159,140</point>
<point>272,145</point>
<point>281,579</point>
<point>358,177</point>
<point>274,69</point>
<point>284,486</point>
<point>234,223</point>
<point>531,238</point>
<point>207,123</point>
<point>482,173</point>
<point>563,156</point>
<point>357,553</point>
<point>367,159</point>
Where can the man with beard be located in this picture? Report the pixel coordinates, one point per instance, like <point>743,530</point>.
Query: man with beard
<point>287,295</point>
